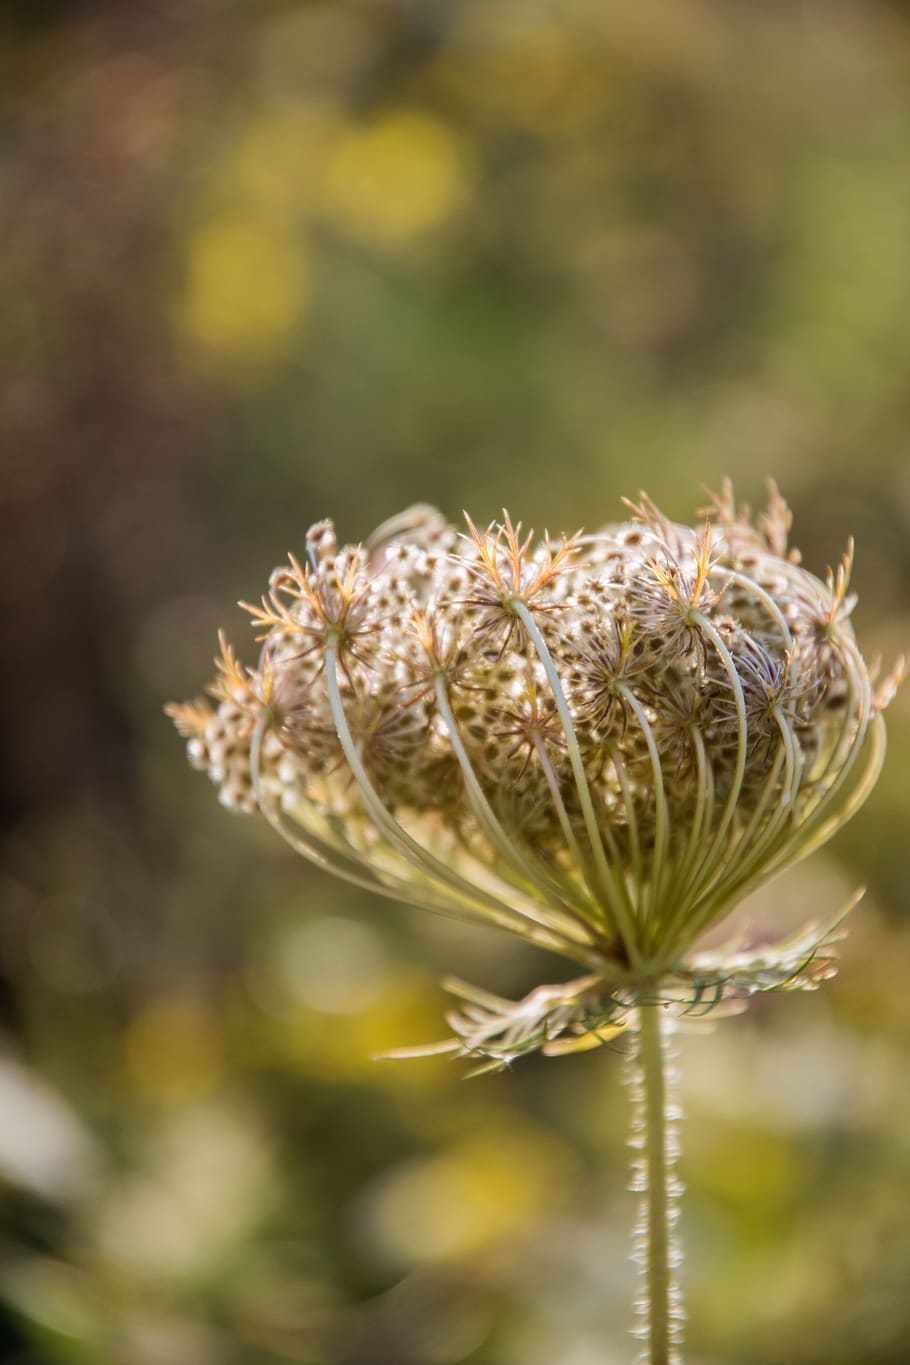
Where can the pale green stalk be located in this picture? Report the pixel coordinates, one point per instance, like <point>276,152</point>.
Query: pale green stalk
<point>653,1139</point>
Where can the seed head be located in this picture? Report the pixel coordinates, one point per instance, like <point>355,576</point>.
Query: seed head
<point>600,745</point>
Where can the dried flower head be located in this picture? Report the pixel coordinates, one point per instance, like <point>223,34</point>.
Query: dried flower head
<point>600,744</point>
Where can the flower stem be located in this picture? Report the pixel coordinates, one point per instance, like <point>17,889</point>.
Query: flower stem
<point>655,1142</point>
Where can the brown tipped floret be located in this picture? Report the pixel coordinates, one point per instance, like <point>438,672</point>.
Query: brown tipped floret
<point>600,744</point>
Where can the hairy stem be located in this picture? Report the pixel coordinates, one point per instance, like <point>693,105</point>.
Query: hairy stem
<point>654,1141</point>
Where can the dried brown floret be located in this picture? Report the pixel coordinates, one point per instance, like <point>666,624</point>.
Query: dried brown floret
<point>599,744</point>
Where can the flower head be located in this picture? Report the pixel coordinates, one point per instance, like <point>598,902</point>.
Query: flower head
<point>600,744</point>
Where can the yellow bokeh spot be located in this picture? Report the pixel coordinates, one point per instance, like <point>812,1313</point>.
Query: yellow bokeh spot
<point>348,1046</point>
<point>246,290</point>
<point>397,177</point>
<point>172,1051</point>
<point>486,1189</point>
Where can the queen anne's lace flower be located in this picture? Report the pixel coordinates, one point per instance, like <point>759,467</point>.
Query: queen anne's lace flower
<point>600,744</point>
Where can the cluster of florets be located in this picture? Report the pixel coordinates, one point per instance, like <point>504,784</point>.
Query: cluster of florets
<point>599,743</point>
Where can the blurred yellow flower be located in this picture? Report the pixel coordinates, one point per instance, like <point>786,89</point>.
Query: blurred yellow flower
<point>489,1188</point>
<point>336,1045</point>
<point>246,290</point>
<point>397,177</point>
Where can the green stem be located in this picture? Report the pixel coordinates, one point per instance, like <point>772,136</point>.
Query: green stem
<point>654,1137</point>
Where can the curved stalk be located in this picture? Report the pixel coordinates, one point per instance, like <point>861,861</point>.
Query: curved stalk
<point>614,887</point>
<point>662,816</point>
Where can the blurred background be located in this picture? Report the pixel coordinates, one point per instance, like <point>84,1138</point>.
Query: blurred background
<point>261,264</point>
